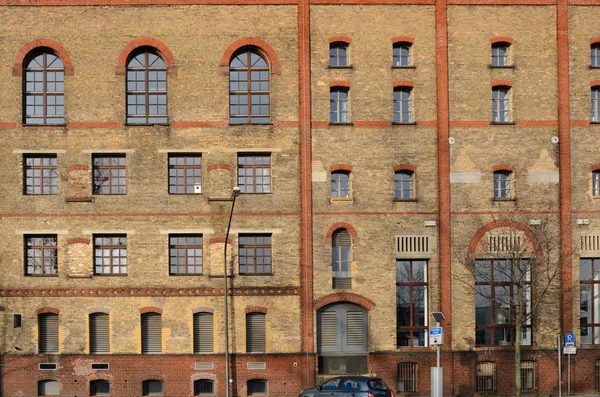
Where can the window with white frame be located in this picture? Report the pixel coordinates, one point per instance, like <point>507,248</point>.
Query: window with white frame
<point>401,54</point>
<point>500,54</point>
<point>502,184</point>
<point>403,112</point>
<point>501,96</point>
<point>338,105</point>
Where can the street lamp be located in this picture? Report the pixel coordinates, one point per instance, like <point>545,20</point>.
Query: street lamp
<point>234,193</point>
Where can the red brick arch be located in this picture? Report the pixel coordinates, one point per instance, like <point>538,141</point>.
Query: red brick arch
<point>595,167</point>
<point>98,310</point>
<point>594,83</point>
<point>343,297</point>
<point>405,167</point>
<point>496,224</point>
<point>340,167</point>
<point>595,40</point>
<point>203,310</point>
<point>262,45</point>
<point>502,39</point>
<point>150,309</point>
<point>403,83</point>
<point>256,309</point>
<point>403,39</point>
<point>44,310</point>
<point>501,83</point>
<point>340,39</point>
<point>78,240</point>
<point>162,49</point>
<point>342,225</point>
<point>53,45</point>
<point>340,83</point>
<point>503,167</point>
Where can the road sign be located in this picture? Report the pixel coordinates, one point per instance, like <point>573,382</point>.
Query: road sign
<point>436,336</point>
<point>570,350</point>
<point>569,340</point>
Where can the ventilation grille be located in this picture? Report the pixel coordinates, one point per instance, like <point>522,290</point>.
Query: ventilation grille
<point>257,365</point>
<point>590,243</point>
<point>328,333</point>
<point>341,283</point>
<point>47,366</point>
<point>354,323</point>
<point>204,366</point>
<point>100,366</point>
<point>502,242</point>
<point>412,246</point>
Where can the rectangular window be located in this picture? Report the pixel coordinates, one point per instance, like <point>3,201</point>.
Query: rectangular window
<point>17,321</point>
<point>48,333</point>
<point>596,183</point>
<point>340,185</point>
<point>411,303</point>
<point>185,254</point>
<point>41,258</point>
<point>403,105</point>
<point>254,173</point>
<point>595,104</point>
<point>256,334</point>
<point>185,174</point>
<point>501,105</point>
<point>527,375</point>
<point>486,377</point>
<point>500,54</point>
<point>401,55</point>
<point>338,106</point>
<point>109,174</point>
<point>99,333</point>
<point>595,55</point>
<point>41,175</point>
<point>255,254</point>
<point>589,277</point>
<point>502,182</point>
<point>496,283</point>
<point>110,255</point>
<point>338,55</point>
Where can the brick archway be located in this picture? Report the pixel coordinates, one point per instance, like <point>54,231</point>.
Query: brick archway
<point>45,43</point>
<point>343,297</point>
<point>497,224</point>
<point>161,47</point>
<point>262,45</point>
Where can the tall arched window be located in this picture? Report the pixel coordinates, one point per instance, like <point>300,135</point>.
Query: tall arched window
<point>146,88</point>
<point>249,88</point>
<point>341,259</point>
<point>43,91</point>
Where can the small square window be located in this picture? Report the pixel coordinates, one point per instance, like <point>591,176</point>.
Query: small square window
<point>109,174</point>
<point>254,173</point>
<point>41,255</point>
<point>40,174</point>
<point>185,254</point>
<point>110,254</point>
<point>185,174</point>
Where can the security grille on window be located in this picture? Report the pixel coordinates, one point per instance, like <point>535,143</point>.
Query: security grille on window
<point>151,333</point>
<point>403,185</point>
<point>110,255</point>
<point>401,55</point>
<point>185,174</point>
<point>99,388</point>
<point>595,55</point>
<point>486,377</point>
<point>338,106</point>
<point>48,333</point>
<point>496,283</point>
<point>204,387</point>
<point>109,174</point>
<point>203,333</point>
<point>146,89</point>
<point>44,90</point>
<point>41,175</point>
<point>527,375</point>
<point>48,388</point>
<point>254,173</point>
<point>255,254</point>
<point>502,184</point>
<point>256,336</point>
<point>152,388</point>
<point>407,378</point>
<point>500,54</point>
<point>403,105</point>
<point>41,258</point>
<point>411,303</point>
<point>185,254</point>
<point>258,387</point>
<point>99,333</point>
<point>595,104</point>
<point>338,54</point>
<point>341,259</point>
<point>340,185</point>
<point>501,105</point>
<point>249,88</point>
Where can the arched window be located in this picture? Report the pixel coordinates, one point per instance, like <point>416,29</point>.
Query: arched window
<point>249,88</point>
<point>341,259</point>
<point>204,387</point>
<point>146,88</point>
<point>258,387</point>
<point>43,91</point>
<point>153,387</point>
<point>340,185</point>
<point>48,388</point>
<point>100,387</point>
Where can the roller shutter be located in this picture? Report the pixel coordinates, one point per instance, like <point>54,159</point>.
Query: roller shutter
<point>203,333</point>
<point>151,333</point>
<point>99,334</point>
<point>256,339</point>
<point>48,333</point>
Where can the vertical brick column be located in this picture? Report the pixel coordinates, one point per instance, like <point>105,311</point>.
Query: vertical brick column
<point>306,255</point>
<point>564,134</point>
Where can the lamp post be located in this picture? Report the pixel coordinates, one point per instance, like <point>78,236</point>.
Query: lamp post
<point>234,193</point>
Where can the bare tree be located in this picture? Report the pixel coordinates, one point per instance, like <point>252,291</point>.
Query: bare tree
<point>512,270</point>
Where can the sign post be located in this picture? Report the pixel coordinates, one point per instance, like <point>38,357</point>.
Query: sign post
<point>568,350</point>
<point>436,338</point>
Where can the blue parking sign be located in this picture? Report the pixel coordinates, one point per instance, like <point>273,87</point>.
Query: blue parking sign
<point>569,340</point>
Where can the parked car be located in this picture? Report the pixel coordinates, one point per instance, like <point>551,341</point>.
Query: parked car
<point>350,386</point>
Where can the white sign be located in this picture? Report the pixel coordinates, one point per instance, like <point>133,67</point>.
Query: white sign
<point>569,340</point>
<point>436,336</point>
<point>570,350</point>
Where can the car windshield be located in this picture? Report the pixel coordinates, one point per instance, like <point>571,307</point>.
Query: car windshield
<point>377,384</point>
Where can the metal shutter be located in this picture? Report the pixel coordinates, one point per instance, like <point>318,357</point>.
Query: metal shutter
<point>341,238</point>
<point>203,333</point>
<point>151,333</point>
<point>99,334</point>
<point>328,332</point>
<point>354,324</point>
<point>48,333</point>
<point>256,338</point>
<point>48,388</point>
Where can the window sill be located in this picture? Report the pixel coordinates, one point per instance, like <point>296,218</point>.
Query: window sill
<point>504,200</point>
<point>186,194</point>
<point>256,274</point>
<point>340,67</point>
<point>502,67</point>
<point>42,275</point>
<point>341,200</point>
<point>401,200</point>
<point>502,123</point>
<point>594,67</point>
<point>247,124</point>
<point>413,123</point>
<point>186,274</point>
<point>110,275</point>
<point>341,124</point>
<point>109,194</point>
<point>147,125</point>
<point>594,122</point>
<point>79,276</point>
<point>40,194</point>
<point>404,67</point>
<point>79,200</point>
<point>252,193</point>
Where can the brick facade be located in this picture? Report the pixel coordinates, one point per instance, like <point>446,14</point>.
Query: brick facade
<point>451,149</point>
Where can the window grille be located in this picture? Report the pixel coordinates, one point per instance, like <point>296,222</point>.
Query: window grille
<point>486,377</point>
<point>597,375</point>
<point>412,245</point>
<point>203,387</point>
<point>407,378</point>
<point>527,375</point>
